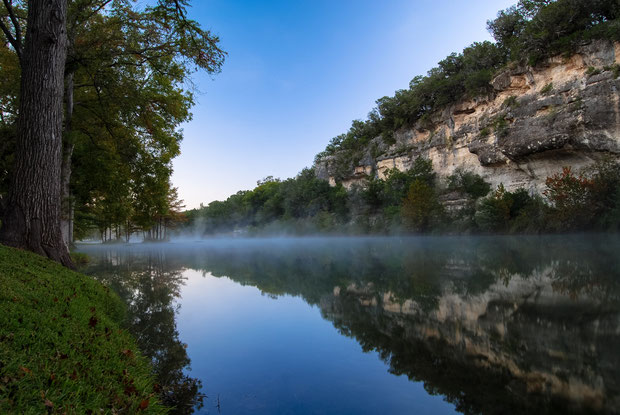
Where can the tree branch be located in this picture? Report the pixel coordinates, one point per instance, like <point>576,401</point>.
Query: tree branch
<point>11,39</point>
<point>16,41</point>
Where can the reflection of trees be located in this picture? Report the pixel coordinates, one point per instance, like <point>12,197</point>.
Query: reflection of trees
<point>471,389</point>
<point>597,276</point>
<point>480,372</point>
<point>572,284</point>
<point>414,268</point>
<point>149,284</point>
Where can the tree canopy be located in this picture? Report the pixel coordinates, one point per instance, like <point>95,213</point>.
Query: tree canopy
<point>129,88</point>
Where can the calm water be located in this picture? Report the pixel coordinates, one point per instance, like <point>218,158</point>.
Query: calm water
<point>383,325</point>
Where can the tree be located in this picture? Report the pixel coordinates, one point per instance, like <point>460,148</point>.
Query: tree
<point>420,206</point>
<point>32,216</point>
<point>570,196</point>
<point>127,90</point>
<point>129,70</point>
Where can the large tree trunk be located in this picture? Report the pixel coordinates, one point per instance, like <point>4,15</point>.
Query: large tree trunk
<point>32,218</point>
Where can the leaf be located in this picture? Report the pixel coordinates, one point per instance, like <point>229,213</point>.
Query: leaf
<point>25,369</point>
<point>93,322</point>
<point>49,403</point>
<point>131,390</point>
<point>144,404</point>
<point>127,352</point>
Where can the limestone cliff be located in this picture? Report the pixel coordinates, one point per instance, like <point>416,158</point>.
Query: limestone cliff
<point>563,112</point>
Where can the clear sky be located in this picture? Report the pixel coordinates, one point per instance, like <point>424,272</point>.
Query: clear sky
<point>298,72</point>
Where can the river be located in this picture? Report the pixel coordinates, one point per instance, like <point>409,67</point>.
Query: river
<point>375,325</point>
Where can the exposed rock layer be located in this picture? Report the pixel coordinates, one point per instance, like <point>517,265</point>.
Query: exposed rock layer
<point>564,112</point>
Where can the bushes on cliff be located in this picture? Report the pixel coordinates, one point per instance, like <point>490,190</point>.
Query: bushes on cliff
<point>536,29</point>
<point>527,32</point>
<point>589,199</point>
<point>389,193</point>
<point>570,197</point>
<point>511,212</point>
<point>421,208</point>
<point>606,194</point>
<point>468,182</point>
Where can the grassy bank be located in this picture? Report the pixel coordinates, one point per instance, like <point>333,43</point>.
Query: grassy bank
<point>61,346</point>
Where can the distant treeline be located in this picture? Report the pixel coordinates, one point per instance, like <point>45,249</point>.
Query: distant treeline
<point>414,201</point>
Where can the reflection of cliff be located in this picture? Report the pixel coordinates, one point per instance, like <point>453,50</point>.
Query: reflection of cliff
<point>518,347</point>
<point>497,325</point>
<point>149,285</point>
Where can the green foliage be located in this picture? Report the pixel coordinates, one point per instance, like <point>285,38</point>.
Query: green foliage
<point>468,182</point>
<point>493,212</point>
<point>410,201</point>
<point>457,76</point>
<point>510,102</point>
<point>570,197</point>
<point>605,192</point>
<point>547,89</point>
<point>420,207</point>
<point>615,68</point>
<point>302,198</point>
<point>500,126</point>
<point>131,67</point>
<point>62,349</point>
<point>505,211</point>
<point>535,29</point>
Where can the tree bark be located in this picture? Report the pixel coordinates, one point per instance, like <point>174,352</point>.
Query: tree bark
<point>32,218</point>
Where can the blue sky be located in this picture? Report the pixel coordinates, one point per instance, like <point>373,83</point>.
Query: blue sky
<point>297,74</point>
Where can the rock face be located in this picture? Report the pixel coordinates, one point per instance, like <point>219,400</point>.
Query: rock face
<point>564,112</point>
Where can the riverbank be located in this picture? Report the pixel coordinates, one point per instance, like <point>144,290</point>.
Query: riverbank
<point>62,349</point>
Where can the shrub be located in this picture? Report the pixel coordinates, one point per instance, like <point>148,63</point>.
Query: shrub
<point>547,89</point>
<point>420,206</point>
<point>570,197</point>
<point>493,212</point>
<point>605,193</point>
<point>472,184</point>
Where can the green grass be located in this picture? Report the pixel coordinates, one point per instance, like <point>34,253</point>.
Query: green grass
<point>61,346</point>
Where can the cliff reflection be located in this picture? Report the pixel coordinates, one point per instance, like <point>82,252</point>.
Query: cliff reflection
<point>149,283</point>
<point>495,325</point>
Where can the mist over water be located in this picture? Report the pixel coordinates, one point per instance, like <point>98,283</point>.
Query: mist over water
<point>377,324</point>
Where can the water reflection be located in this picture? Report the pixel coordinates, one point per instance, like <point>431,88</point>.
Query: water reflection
<point>149,284</point>
<point>494,325</point>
